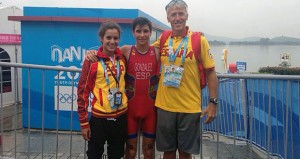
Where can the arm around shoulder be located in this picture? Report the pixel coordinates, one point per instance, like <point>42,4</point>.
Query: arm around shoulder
<point>125,49</point>
<point>91,55</point>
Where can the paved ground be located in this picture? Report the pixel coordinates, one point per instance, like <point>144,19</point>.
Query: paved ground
<point>23,144</point>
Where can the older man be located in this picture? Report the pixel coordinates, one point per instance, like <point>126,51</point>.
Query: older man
<point>179,103</point>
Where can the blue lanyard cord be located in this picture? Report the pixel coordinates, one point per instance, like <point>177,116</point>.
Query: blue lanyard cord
<point>105,71</point>
<point>106,74</point>
<point>184,50</point>
<point>183,41</point>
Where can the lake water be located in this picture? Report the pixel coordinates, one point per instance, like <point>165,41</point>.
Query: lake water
<point>256,56</point>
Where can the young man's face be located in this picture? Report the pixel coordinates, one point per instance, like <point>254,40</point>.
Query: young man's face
<point>177,17</point>
<point>110,40</point>
<point>142,34</point>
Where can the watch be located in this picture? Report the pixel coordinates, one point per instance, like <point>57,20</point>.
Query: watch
<point>215,101</point>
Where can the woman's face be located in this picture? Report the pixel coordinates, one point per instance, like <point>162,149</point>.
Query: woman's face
<point>110,41</point>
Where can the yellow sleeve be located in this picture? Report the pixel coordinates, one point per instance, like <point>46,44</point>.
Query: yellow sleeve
<point>206,56</point>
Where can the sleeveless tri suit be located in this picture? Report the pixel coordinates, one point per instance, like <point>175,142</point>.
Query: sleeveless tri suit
<point>141,86</point>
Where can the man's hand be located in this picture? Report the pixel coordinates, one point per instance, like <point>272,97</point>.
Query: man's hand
<point>91,56</point>
<point>86,134</point>
<point>210,112</point>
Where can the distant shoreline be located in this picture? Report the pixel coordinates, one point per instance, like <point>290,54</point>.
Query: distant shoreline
<point>215,42</point>
<point>280,40</point>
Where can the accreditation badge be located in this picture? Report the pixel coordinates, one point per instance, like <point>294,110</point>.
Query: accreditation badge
<point>118,99</point>
<point>172,75</point>
<point>112,98</point>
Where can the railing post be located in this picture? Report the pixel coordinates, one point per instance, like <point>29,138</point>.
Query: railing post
<point>276,111</point>
<point>286,125</point>
<point>201,142</point>
<point>15,119</point>
<point>71,115</point>
<point>244,105</point>
<point>269,119</point>
<point>1,115</point>
<point>299,104</point>
<point>57,114</point>
<point>234,107</point>
<point>28,111</point>
<point>218,132</point>
<point>139,141</point>
<point>251,107</point>
<point>291,117</point>
<point>43,110</point>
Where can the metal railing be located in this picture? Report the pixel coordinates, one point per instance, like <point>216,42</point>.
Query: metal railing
<point>255,110</point>
<point>262,110</point>
<point>11,146</point>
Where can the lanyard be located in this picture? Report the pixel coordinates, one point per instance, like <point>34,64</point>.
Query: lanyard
<point>106,74</point>
<point>172,56</point>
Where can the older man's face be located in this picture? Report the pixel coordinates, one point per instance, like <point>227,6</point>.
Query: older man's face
<point>177,17</point>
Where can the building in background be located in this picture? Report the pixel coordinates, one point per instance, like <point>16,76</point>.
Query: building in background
<point>61,37</point>
<point>10,51</point>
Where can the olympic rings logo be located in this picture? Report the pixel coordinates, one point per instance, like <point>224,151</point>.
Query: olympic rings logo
<point>66,98</point>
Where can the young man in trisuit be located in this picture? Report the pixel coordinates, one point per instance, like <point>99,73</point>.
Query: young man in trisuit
<point>141,85</point>
<point>179,102</point>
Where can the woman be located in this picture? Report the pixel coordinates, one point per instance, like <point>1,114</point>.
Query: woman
<point>105,80</point>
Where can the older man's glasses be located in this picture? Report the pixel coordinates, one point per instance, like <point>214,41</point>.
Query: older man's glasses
<point>173,2</point>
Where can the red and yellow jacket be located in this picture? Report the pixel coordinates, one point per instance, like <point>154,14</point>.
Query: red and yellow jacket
<point>92,80</point>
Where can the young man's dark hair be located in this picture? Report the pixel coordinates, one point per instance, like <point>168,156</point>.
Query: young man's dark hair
<point>141,21</point>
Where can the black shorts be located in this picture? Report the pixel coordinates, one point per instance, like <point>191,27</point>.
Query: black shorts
<point>114,131</point>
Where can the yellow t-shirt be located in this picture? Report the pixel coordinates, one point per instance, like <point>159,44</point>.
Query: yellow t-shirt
<point>187,97</point>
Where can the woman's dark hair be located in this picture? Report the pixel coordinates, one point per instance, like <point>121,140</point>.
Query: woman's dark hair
<point>108,25</point>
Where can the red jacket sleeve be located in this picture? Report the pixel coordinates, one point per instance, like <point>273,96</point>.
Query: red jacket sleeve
<point>85,86</point>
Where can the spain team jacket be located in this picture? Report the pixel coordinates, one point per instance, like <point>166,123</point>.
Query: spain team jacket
<point>93,87</point>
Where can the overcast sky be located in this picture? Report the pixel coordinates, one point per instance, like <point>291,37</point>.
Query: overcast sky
<point>229,18</point>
